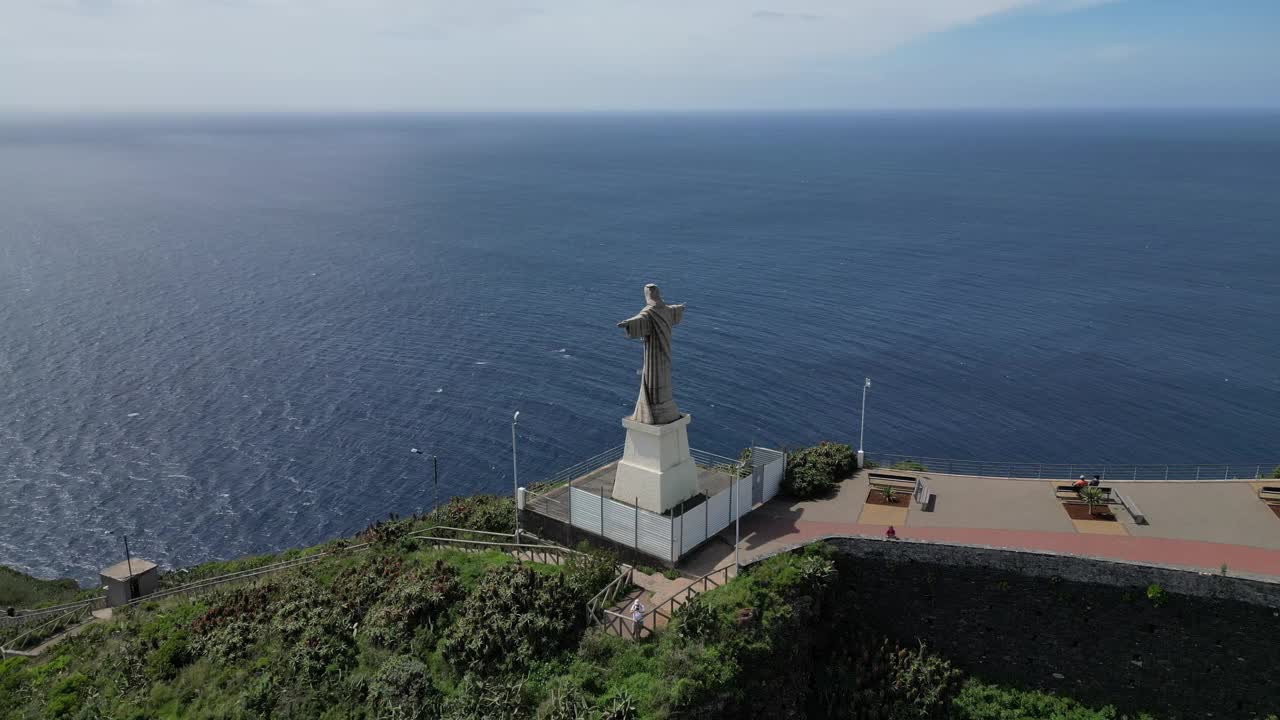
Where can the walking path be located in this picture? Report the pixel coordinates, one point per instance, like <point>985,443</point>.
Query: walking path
<point>1198,526</point>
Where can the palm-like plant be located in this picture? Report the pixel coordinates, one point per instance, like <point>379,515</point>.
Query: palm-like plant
<point>890,494</point>
<point>1092,496</point>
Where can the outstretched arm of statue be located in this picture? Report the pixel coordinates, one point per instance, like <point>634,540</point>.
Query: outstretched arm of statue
<point>677,313</point>
<point>636,327</point>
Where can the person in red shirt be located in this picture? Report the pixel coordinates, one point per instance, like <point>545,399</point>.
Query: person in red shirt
<point>891,533</point>
<point>1081,483</point>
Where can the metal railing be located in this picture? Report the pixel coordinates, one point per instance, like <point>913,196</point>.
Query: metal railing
<point>1111,472</point>
<point>24,617</point>
<point>662,613</point>
<point>580,468</point>
<point>49,629</point>
<point>597,606</point>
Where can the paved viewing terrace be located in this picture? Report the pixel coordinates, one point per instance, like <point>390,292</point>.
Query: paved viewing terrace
<point>1197,525</point>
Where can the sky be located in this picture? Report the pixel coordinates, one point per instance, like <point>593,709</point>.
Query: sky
<point>618,55</point>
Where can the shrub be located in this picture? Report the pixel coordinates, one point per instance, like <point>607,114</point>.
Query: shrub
<point>980,701</point>
<point>491,513</point>
<point>697,621</point>
<point>173,654</point>
<point>1157,595</point>
<point>402,690</point>
<point>477,698</point>
<point>386,532</point>
<point>418,598</point>
<point>513,617</point>
<point>590,571</point>
<point>1276,472</point>
<point>910,465</point>
<point>814,471</point>
<point>923,683</point>
<point>359,588</point>
<point>320,652</point>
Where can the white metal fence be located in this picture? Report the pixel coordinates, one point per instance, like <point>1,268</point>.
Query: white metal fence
<point>667,537</point>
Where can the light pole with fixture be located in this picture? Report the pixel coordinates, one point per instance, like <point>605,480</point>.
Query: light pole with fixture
<point>515,474</point>
<point>862,424</point>
<point>435,478</point>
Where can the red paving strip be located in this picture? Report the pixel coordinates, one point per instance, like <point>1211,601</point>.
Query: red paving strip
<point>1157,551</point>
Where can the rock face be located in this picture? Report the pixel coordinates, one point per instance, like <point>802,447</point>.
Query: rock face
<point>1077,625</point>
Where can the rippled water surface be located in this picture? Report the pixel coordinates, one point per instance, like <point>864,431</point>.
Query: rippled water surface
<point>221,336</point>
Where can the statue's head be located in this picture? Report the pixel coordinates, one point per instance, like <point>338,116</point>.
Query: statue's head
<point>651,295</point>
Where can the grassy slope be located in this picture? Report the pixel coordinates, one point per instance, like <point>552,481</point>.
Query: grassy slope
<point>291,655</point>
<point>23,591</point>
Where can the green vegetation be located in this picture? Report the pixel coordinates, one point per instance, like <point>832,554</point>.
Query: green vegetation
<point>980,701</point>
<point>407,631</point>
<point>1092,496</point>
<point>20,590</point>
<point>1276,472</point>
<point>815,471</point>
<point>911,465</point>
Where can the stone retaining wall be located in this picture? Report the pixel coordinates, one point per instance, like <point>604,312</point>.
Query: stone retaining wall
<point>1206,646</point>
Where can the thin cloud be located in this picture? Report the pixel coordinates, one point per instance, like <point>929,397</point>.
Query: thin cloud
<point>774,16</point>
<point>442,54</point>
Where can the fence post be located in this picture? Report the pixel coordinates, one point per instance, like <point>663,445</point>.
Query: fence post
<point>1135,472</point>
<point>1227,473</point>
<point>637,525</point>
<point>681,531</point>
<point>1166,472</point>
<point>1197,472</point>
<point>1071,472</point>
<point>1039,468</point>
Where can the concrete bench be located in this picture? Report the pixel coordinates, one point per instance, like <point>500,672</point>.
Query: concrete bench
<point>1132,507</point>
<point>1269,493</point>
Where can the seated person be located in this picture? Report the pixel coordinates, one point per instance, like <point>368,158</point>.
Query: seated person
<point>1096,481</point>
<point>1080,484</point>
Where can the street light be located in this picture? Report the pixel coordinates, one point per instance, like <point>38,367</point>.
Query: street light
<point>862,424</point>
<point>515,473</point>
<point>435,478</point>
<point>737,561</point>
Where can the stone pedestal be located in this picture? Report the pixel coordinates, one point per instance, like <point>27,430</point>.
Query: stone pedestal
<point>861,460</point>
<point>656,471</point>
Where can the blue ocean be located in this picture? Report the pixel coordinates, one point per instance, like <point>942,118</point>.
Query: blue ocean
<point>221,335</point>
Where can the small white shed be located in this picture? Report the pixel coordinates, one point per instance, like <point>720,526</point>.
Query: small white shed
<point>129,580</point>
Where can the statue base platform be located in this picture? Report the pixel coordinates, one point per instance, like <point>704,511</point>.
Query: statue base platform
<point>657,471</point>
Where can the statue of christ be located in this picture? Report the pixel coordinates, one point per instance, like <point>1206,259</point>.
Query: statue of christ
<point>653,324</point>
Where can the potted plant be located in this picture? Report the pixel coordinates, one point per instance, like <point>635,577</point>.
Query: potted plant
<point>1092,496</point>
<point>890,494</point>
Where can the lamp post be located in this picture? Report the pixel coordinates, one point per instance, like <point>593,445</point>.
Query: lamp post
<point>737,561</point>
<point>435,478</point>
<point>862,424</point>
<point>515,474</point>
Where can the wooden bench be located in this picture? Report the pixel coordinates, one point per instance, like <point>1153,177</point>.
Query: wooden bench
<point>1269,494</point>
<point>1132,507</point>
